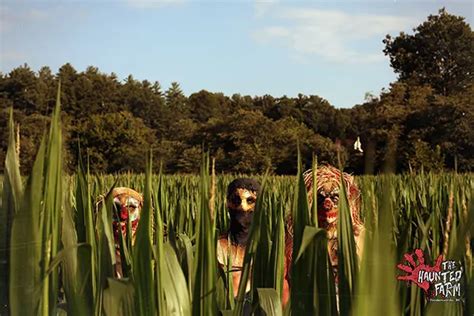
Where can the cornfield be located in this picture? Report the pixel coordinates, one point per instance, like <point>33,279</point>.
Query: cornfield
<point>57,248</point>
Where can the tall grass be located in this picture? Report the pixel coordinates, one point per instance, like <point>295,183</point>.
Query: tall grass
<point>57,247</point>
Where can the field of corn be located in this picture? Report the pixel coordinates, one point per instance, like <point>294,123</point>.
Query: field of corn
<point>57,247</point>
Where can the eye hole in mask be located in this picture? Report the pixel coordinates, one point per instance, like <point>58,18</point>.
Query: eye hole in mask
<point>333,195</point>
<point>236,199</point>
<point>132,205</point>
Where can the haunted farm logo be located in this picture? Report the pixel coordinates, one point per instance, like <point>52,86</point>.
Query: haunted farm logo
<point>443,281</point>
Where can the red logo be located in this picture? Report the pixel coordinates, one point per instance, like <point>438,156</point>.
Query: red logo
<point>441,281</point>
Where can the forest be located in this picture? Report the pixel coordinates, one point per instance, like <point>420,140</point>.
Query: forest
<point>422,122</point>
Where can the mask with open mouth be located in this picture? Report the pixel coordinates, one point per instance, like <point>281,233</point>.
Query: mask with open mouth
<point>328,204</point>
<point>329,182</point>
<point>328,185</point>
<point>128,204</point>
<point>241,200</point>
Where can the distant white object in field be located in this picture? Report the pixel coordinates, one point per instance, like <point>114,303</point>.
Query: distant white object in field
<point>358,145</point>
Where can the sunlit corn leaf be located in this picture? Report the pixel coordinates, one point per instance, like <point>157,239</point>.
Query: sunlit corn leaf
<point>187,255</point>
<point>377,283</point>
<point>303,297</point>
<point>52,209</point>
<point>119,298</point>
<point>158,252</point>
<point>76,268</point>
<point>261,258</point>
<point>84,224</point>
<point>243,298</point>
<point>205,259</point>
<point>323,278</point>
<point>105,249</point>
<point>277,255</point>
<point>11,198</point>
<point>313,290</point>
<point>174,285</point>
<point>26,242</point>
<point>269,303</point>
<point>346,252</point>
<point>143,275</point>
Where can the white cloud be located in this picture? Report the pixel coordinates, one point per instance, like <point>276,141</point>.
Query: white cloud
<point>152,4</point>
<point>263,6</point>
<point>335,36</point>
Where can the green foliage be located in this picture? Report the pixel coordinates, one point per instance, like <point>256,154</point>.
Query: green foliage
<point>11,197</point>
<point>439,53</point>
<point>115,141</point>
<point>205,263</point>
<point>312,291</point>
<point>35,230</point>
<point>143,275</point>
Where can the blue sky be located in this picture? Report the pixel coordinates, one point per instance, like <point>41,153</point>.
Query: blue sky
<point>328,48</point>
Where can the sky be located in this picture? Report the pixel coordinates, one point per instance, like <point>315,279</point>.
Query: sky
<point>332,49</point>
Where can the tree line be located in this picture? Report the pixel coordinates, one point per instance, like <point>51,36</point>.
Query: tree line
<point>421,121</point>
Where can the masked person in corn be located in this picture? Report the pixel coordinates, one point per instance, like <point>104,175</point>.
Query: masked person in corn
<point>328,189</point>
<point>128,204</point>
<point>241,200</point>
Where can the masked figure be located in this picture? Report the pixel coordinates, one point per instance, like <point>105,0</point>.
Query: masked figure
<point>129,204</point>
<point>127,207</point>
<point>328,187</point>
<point>241,199</point>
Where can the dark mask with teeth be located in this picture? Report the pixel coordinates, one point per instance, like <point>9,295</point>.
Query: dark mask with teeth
<point>241,199</point>
<point>328,200</point>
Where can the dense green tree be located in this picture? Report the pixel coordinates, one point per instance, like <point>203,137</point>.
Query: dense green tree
<point>263,103</point>
<point>175,97</point>
<point>20,88</point>
<point>146,101</point>
<point>31,129</point>
<point>203,105</point>
<point>46,91</point>
<point>319,114</point>
<point>116,141</point>
<point>250,133</point>
<point>282,108</point>
<point>290,132</point>
<point>241,102</point>
<point>68,77</point>
<point>440,53</point>
<point>443,132</point>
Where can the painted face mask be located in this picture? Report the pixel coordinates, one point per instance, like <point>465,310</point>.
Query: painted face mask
<point>128,204</point>
<point>329,186</point>
<point>241,200</point>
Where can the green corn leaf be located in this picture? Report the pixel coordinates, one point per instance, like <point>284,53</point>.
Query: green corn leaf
<point>346,252</point>
<point>119,298</point>
<point>143,254</point>
<point>205,263</point>
<point>174,285</point>
<point>11,198</point>
<point>76,268</point>
<point>269,302</point>
<point>26,242</point>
